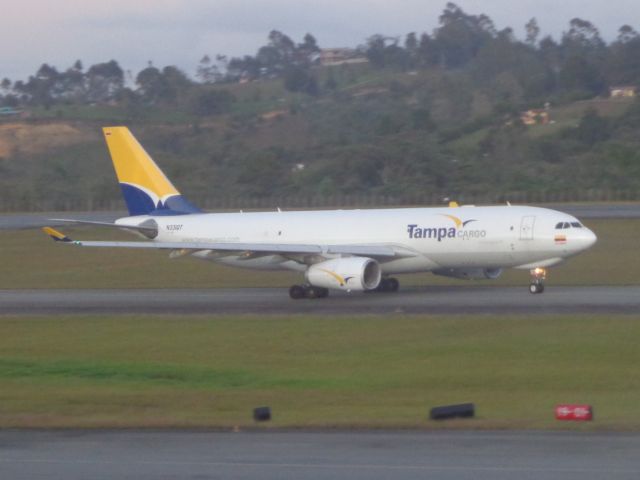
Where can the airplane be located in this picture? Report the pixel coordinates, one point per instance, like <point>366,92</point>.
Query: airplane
<point>347,250</point>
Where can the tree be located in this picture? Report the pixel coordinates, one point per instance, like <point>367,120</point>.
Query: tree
<point>212,102</point>
<point>384,51</point>
<point>207,72</point>
<point>581,77</point>
<point>307,52</point>
<point>5,85</point>
<point>460,36</point>
<point>149,83</point>
<point>533,30</point>
<point>593,128</point>
<point>411,48</point>
<point>247,67</point>
<point>375,47</point>
<point>623,61</point>
<point>278,54</point>
<point>174,84</point>
<point>298,79</point>
<point>428,51</point>
<point>104,81</point>
<point>582,36</point>
<point>627,34</point>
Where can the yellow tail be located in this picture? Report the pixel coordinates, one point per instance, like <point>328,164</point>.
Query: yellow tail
<point>145,188</point>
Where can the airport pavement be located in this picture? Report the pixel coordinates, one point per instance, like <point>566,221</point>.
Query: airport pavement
<point>19,221</point>
<point>416,300</point>
<point>154,455</point>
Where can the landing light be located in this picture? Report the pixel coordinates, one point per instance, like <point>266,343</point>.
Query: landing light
<point>539,272</point>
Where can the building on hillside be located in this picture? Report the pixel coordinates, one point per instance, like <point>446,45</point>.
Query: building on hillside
<point>622,91</point>
<point>340,56</point>
<point>535,116</point>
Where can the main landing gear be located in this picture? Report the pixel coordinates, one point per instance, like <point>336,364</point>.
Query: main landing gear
<point>388,284</point>
<point>538,276</point>
<point>308,291</point>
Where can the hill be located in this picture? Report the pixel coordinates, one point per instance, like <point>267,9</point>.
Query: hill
<point>466,112</point>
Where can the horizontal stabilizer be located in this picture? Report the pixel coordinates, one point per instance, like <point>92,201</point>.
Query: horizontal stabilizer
<point>140,228</point>
<point>56,235</point>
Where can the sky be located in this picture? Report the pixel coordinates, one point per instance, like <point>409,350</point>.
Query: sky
<point>180,32</point>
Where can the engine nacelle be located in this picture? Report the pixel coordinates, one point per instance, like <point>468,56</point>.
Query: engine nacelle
<point>347,273</point>
<point>470,273</point>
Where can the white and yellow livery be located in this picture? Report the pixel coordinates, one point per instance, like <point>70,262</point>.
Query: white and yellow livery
<point>351,250</point>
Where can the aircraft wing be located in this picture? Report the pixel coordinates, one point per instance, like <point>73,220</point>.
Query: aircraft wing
<point>264,248</point>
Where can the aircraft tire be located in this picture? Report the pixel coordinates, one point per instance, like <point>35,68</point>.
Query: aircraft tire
<point>323,292</point>
<point>536,288</point>
<point>297,292</point>
<point>387,285</point>
<point>316,292</point>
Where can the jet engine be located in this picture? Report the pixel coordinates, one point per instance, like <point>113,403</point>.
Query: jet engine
<point>470,273</point>
<point>347,273</point>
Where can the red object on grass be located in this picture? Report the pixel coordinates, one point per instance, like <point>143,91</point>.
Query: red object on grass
<point>580,413</point>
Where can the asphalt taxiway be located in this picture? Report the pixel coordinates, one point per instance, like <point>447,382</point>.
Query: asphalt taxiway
<point>153,455</point>
<point>418,300</point>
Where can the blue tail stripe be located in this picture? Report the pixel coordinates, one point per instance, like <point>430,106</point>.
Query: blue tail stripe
<point>140,203</point>
<point>180,204</point>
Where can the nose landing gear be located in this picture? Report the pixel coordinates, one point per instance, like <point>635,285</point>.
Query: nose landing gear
<point>538,276</point>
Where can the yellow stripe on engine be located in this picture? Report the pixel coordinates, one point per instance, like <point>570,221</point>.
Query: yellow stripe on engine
<point>133,164</point>
<point>339,278</point>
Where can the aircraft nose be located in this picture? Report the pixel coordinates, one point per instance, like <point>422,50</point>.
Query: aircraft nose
<point>586,239</point>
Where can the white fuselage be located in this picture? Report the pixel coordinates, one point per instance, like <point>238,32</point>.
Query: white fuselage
<point>434,238</point>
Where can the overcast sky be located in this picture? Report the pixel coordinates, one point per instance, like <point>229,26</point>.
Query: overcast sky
<point>180,32</point>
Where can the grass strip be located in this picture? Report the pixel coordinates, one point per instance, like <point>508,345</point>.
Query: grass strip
<point>365,371</point>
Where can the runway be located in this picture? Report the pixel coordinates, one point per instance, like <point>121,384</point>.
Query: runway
<point>75,455</point>
<point>419,300</point>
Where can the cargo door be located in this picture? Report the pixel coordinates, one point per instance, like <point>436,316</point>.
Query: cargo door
<point>526,227</point>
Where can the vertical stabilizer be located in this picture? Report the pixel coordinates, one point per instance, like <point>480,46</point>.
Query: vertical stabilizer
<point>145,188</point>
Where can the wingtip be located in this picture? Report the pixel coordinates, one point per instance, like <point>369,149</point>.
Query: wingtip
<point>56,235</point>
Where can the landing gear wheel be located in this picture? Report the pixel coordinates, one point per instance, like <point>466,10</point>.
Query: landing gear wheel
<point>299,291</point>
<point>536,288</point>
<point>317,292</point>
<point>296,292</point>
<point>538,276</point>
<point>393,284</point>
<point>387,285</point>
<point>323,292</point>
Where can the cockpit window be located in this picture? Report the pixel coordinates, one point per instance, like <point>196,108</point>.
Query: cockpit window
<point>563,225</point>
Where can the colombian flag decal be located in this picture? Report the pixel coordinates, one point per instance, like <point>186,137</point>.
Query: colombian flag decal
<point>560,239</point>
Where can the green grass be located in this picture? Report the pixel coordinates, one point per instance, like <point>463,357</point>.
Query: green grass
<point>126,371</point>
<point>30,259</point>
